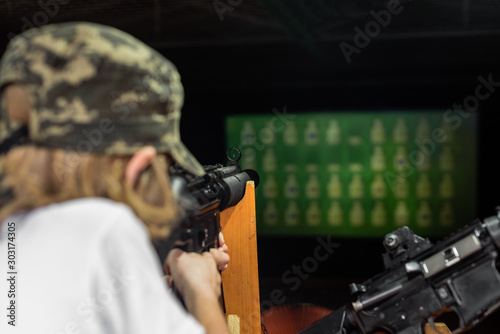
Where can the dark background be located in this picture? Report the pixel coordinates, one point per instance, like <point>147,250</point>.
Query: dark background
<point>270,54</point>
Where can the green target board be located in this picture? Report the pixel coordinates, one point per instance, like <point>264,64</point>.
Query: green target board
<point>361,174</point>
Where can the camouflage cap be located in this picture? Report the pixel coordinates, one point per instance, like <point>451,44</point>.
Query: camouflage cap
<point>96,89</point>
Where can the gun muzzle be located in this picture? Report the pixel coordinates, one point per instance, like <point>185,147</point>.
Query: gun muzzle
<point>234,187</point>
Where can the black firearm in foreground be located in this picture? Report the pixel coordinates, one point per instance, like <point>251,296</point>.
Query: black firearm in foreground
<point>422,281</point>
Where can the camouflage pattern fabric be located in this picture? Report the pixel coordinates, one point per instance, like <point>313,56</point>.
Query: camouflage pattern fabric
<point>96,89</point>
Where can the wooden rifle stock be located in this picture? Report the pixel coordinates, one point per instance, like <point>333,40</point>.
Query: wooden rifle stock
<point>240,281</point>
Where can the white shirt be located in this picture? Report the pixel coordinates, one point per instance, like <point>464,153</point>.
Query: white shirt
<point>86,266</point>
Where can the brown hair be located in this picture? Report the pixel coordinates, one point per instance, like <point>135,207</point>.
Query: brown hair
<point>40,176</point>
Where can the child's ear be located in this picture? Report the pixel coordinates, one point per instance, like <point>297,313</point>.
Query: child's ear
<point>17,102</point>
<point>139,161</point>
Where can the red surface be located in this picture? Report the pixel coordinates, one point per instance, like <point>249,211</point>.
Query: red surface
<point>290,319</point>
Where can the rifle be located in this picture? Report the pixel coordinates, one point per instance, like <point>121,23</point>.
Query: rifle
<point>421,281</point>
<point>200,200</point>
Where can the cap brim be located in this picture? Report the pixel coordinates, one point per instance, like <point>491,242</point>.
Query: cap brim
<point>185,158</point>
